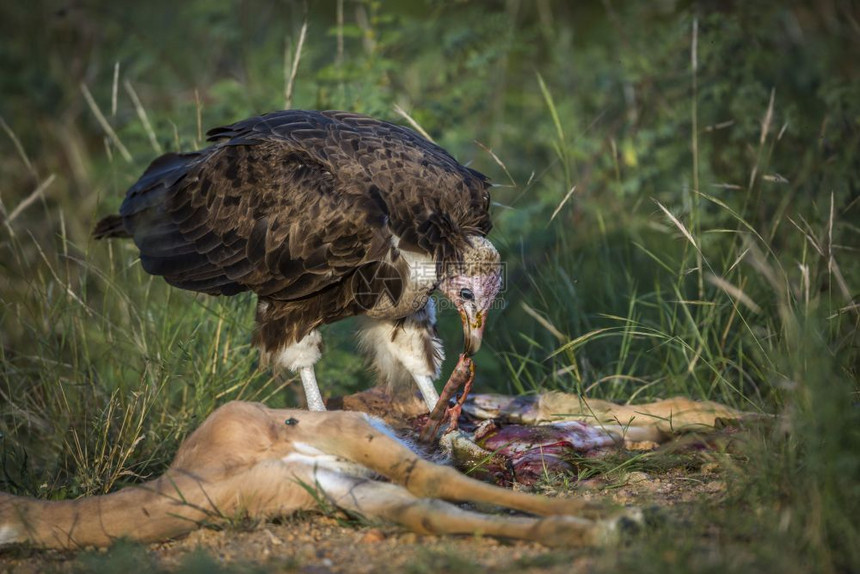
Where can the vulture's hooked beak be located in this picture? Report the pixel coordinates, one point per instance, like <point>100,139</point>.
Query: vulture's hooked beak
<point>473,330</point>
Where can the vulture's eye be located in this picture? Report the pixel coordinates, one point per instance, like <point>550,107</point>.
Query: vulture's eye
<point>467,294</point>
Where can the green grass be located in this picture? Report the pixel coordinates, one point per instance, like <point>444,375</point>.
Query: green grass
<point>709,248</point>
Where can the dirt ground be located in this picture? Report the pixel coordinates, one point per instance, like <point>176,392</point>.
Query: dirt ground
<point>322,544</point>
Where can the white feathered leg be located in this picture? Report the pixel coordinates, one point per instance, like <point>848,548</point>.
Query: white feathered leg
<point>301,357</point>
<point>312,390</point>
<point>428,390</point>
<point>406,349</point>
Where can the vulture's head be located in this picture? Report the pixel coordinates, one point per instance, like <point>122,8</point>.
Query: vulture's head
<point>471,285</point>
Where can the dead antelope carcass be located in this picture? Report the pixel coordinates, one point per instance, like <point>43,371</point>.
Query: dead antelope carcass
<point>247,458</point>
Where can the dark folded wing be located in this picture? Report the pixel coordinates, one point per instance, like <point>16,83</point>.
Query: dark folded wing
<point>257,215</point>
<point>434,203</point>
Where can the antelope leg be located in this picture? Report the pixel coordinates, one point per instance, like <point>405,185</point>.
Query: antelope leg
<point>393,503</point>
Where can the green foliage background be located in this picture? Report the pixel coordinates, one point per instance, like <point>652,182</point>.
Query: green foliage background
<point>709,246</point>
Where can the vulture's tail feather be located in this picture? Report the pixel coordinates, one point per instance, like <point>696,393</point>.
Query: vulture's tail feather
<point>110,226</point>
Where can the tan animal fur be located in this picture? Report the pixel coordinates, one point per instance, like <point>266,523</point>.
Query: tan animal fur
<point>247,459</point>
<point>655,422</point>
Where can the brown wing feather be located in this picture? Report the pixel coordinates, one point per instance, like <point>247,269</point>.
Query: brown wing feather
<point>433,201</point>
<point>252,218</point>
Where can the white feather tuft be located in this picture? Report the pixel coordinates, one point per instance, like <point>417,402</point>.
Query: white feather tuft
<point>304,353</point>
<point>411,348</point>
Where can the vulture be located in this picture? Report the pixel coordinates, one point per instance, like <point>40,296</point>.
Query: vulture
<point>324,215</point>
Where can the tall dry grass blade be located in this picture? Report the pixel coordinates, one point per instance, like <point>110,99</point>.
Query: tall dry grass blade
<point>768,118</point>
<point>64,239</point>
<point>199,106</point>
<point>808,234</point>
<point>216,345</point>
<point>368,34</point>
<point>543,321</point>
<point>108,148</point>
<point>642,383</point>
<point>19,148</point>
<point>733,291</point>
<point>727,186</point>
<point>805,283</point>
<point>654,257</point>
<point>91,102</point>
<point>499,162</point>
<point>832,266</point>
<point>338,60</point>
<point>560,205</point>
<point>694,145</point>
<point>694,48</point>
<point>855,307</point>
<point>288,59</point>
<point>830,219</point>
<point>294,69</point>
<point>743,222</point>
<point>28,201</point>
<point>719,126</point>
<point>415,125</point>
<point>561,145</point>
<point>65,286</point>
<point>737,260</point>
<point>143,117</point>
<point>765,129</point>
<point>3,216</point>
<point>552,109</point>
<point>679,225</point>
<point>614,155</point>
<point>113,90</point>
<point>176,141</point>
<point>582,339</point>
<point>760,264</point>
<point>694,136</point>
